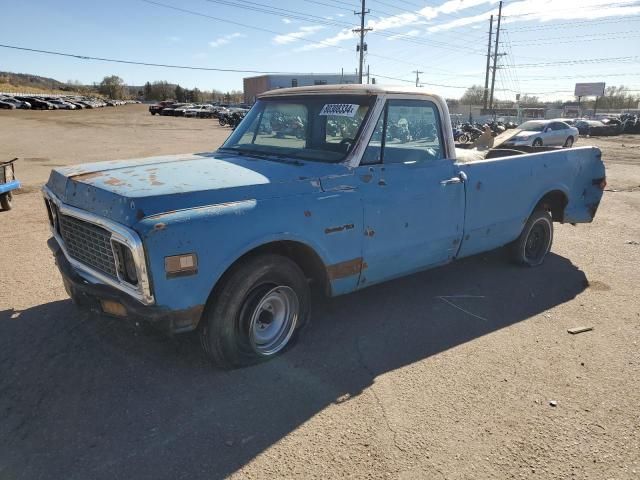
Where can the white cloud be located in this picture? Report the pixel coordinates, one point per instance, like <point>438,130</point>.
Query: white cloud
<point>294,36</point>
<point>174,39</point>
<point>341,36</point>
<point>549,10</point>
<point>286,20</point>
<point>340,15</point>
<point>218,42</point>
<point>410,33</point>
<point>516,11</point>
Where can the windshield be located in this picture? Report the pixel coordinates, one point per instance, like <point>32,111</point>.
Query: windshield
<point>320,128</point>
<point>532,126</point>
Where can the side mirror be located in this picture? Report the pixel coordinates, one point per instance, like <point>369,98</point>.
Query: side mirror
<point>547,129</point>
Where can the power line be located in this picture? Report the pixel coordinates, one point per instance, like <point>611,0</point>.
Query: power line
<point>146,64</point>
<point>524,43</point>
<point>564,25</point>
<point>585,61</point>
<point>600,6</point>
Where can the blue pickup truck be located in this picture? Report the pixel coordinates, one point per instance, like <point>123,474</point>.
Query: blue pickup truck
<point>332,188</point>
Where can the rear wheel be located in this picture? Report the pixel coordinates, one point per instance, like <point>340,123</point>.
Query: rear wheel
<point>534,243</point>
<point>6,201</point>
<point>568,142</point>
<point>256,313</point>
<point>537,142</point>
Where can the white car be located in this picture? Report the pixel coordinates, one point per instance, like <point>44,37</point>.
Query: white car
<point>538,133</point>
<point>202,111</point>
<point>62,105</point>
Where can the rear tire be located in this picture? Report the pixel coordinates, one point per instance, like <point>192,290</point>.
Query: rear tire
<point>568,142</point>
<point>537,142</point>
<point>534,243</point>
<point>256,312</point>
<point>6,201</point>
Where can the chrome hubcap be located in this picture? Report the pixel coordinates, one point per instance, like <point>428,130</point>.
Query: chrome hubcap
<point>273,320</point>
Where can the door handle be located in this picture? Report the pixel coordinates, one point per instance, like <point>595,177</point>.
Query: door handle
<point>460,178</point>
<point>451,181</point>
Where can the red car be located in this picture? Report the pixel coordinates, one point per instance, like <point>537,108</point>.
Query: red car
<point>158,107</point>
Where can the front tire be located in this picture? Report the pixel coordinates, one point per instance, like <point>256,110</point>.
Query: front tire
<point>534,243</point>
<point>537,142</point>
<point>6,201</point>
<point>256,313</point>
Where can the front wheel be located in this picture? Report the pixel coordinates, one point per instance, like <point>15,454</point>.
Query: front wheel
<point>463,138</point>
<point>256,312</point>
<point>534,243</point>
<point>222,122</point>
<point>6,201</point>
<point>537,142</point>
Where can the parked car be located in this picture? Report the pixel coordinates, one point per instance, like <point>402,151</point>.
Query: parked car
<point>156,108</point>
<point>16,102</point>
<point>231,242</point>
<point>200,111</point>
<point>181,109</point>
<point>38,103</point>
<point>168,111</point>
<point>62,105</point>
<point>596,128</point>
<point>538,133</point>
<point>7,105</point>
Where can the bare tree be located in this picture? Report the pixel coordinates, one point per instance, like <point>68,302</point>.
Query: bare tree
<point>112,87</point>
<point>473,96</point>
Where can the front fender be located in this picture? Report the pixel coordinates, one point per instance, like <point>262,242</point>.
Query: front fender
<point>220,234</point>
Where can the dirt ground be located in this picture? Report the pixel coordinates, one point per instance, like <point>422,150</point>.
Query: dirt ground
<point>447,374</point>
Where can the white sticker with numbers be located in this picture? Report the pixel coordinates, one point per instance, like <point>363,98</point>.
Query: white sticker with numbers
<point>340,109</point>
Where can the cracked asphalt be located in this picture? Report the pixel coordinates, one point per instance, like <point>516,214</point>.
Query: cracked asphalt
<point>447,374</point>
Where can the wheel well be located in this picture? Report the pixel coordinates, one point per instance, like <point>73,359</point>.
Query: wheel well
<point>554,202</point>
<point>304,256</point>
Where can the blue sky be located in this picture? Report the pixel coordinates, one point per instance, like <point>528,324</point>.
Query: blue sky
<point>550,44</point>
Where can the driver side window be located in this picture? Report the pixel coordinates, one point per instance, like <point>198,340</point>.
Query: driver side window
<point>408,131</point>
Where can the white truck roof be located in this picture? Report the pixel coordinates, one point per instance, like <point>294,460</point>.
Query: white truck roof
<point>354,89</point>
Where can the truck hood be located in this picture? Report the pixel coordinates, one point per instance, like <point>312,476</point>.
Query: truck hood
<point>126,191</point>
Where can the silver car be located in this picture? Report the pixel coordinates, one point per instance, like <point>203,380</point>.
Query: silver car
<point>538,133</point>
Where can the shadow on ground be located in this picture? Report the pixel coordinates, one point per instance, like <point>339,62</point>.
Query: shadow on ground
<point>86,397</point>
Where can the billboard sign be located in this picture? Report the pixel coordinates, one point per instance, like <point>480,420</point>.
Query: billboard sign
<point>589,89</point>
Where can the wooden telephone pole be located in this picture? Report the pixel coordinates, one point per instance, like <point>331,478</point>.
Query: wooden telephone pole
<point>495,57</point>
<point>361,48</point>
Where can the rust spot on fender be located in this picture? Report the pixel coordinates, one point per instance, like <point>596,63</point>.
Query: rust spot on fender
<point>153,179</point>
<point>139,214</point>
<point>116,182</point>
<point>159,226</point>
<point>86,176</point>
<point>307,213</point>
<point>345,269</point>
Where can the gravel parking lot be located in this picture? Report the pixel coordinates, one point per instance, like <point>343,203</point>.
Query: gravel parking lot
<point>447,374</point>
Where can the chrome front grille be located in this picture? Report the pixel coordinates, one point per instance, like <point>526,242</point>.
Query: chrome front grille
<point>88,243</point>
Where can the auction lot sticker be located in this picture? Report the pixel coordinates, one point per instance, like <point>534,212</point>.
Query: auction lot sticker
<point>340,109</point>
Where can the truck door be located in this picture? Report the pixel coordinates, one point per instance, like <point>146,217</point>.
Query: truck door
<point>413,196</point>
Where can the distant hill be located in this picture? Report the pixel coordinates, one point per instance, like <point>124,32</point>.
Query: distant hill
<point>27,83</point>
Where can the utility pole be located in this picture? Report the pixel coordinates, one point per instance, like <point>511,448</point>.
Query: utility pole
<point>485,98</point>
<point>368,74</point>
<point>417,72</point>
<point>361,48</point>
<point>495,56</point>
